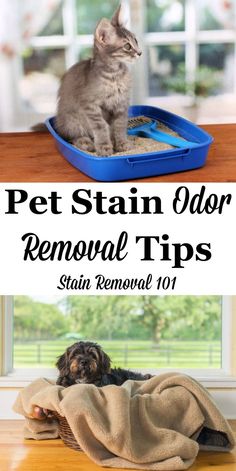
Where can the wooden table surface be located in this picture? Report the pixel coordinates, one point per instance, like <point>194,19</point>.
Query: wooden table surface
<point>33,157</point>
<point>17,454</point>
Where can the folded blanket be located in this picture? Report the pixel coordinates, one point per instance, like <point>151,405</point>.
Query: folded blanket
<point>158,424</point>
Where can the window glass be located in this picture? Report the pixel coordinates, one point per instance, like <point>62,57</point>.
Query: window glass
<point>87,18</point>
<point>135,331</point>
<point>165,15</point>
<point>220,60</point>
<point>217,14</point>
<point>164,63</point>
<point>54,25</point>
<point>43,69</point>
<point>85,53</point>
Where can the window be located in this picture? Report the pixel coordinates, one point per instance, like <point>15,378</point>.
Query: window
<point>138,332</point>
<point>192,50</point>
<point>165,15</point>
<point>188,65</point>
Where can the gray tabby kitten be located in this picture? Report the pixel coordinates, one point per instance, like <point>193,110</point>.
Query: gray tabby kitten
<point>94,94</point>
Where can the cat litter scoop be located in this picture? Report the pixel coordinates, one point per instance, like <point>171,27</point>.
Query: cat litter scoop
<point>189,153</point>
<point>146,127</point>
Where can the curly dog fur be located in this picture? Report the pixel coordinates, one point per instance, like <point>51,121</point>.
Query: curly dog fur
<point>86,362</point>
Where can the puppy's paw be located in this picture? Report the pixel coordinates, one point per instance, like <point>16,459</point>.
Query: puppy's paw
<point>148,376</point>
<point>123,146</point>
<point>40,413</point>
<point>84,143</point>
<point>104,150</point>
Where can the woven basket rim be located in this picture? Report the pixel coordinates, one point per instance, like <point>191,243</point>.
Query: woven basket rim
<point>65,432</point>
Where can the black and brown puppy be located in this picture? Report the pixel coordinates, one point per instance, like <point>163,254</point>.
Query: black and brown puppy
<point>86,362</point>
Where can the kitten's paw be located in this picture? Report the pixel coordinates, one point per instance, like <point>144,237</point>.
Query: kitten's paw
<point>123,146</point>
<point>84,143</point>
<point>104,150</point>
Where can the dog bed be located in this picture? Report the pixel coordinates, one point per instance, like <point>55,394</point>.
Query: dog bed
<point>159,424</point>
<point>65,432</point>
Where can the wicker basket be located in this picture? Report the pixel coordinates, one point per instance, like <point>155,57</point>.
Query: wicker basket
<point>66,433</point>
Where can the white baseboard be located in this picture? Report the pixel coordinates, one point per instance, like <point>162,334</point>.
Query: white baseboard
<point>226,401</point>
<point>7,399</point>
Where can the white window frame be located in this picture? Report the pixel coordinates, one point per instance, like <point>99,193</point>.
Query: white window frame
<point>191,38</point>
<point>212,378</point>
<point>6,334</point>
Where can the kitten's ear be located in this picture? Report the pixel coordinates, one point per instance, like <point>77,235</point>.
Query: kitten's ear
<point>104,31</point>
<point>119,18</point>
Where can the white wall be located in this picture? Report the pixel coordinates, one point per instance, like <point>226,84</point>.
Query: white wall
<point>226,401</point>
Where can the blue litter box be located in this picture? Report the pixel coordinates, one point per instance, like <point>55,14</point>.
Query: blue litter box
<point>128,167</point>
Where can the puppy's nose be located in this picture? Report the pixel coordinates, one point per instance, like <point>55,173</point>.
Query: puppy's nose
<point>139,53</point>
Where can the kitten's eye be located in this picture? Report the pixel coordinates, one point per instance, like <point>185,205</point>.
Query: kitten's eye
<point>127,47</point>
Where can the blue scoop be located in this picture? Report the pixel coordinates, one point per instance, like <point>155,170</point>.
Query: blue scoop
<point>149,129</point>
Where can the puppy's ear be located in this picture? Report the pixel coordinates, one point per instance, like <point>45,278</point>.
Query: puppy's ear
<point>106,363</point>
<point>62,362</point>
<point>64,371</point>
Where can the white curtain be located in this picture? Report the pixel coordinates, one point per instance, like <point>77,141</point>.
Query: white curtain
<point>19,21</point>
<point>22,19</point>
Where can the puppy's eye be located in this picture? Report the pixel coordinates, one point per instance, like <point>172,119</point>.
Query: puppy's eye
<point>127,47</point>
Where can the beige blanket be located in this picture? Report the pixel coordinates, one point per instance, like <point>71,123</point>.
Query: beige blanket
<point>154,424</point>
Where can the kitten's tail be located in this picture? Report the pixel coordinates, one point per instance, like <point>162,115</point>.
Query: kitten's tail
<point>39,127</point>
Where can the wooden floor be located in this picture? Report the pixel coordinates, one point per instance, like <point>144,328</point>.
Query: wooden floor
<point>32,157</point>
<point>51,455</point>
